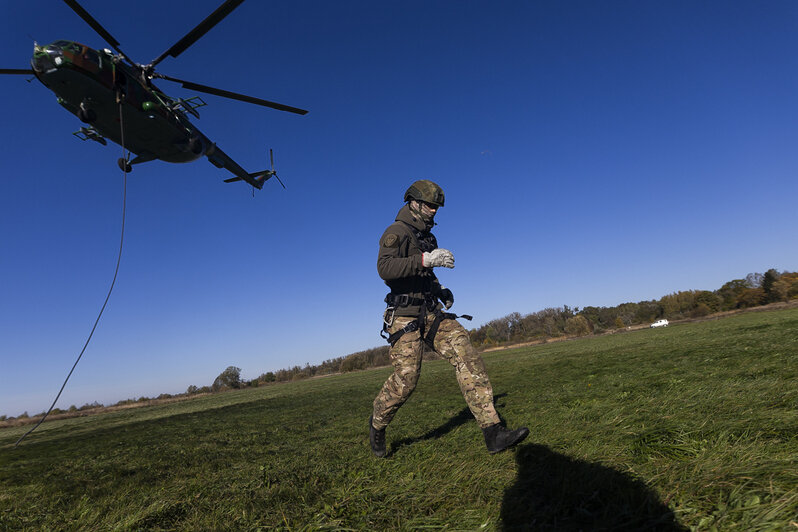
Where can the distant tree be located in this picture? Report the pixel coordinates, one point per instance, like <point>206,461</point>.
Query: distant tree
<point>648,311</point>
<point>702,309</point>
<point>550,326</point>
<point>793,291</point>
<point>229,378</point>
<point>553,321</point>
<point>710,299</point>
<point>752,297</point>
<point>577,326</point>
<point>780,290</point>
<point>593,314</point>
<point>499,329</point>
<point>627,312</point>
<point>516,324</point>
<point>785,287</point>
<point>619,324</point>
<point>754,280</point>
<point>678,304</point>
<point>730,293</point>
<point>768,280</point>
<point>269,377</point>
<point>191,390</point>
<point>353,362</point>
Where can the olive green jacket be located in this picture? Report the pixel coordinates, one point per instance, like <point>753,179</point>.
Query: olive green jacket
<point>399,262</point>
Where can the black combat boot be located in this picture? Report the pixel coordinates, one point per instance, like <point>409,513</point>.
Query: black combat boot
<point>377,439</point>
<point>498,438</point>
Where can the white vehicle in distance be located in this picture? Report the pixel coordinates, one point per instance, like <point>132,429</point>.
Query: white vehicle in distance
<point>659,323</point>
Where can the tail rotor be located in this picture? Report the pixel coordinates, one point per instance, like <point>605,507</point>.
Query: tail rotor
<point>273,172</point>
<point>262,177</point>
<point>256,179</point>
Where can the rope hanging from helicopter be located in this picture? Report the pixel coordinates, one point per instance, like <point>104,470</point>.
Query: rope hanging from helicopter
<point>125,156</point>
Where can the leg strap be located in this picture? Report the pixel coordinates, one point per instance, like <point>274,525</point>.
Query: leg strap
<point>429,339</point>
<point>410,327</point>
<point>418,324</point>
<point>415,325</point>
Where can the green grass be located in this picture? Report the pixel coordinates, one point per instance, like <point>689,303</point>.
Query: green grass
<point>694,426</point>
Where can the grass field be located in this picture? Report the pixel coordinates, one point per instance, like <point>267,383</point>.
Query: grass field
<point>694,426</point>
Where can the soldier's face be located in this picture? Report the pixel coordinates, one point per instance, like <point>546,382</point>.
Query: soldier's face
<point>427,209</point>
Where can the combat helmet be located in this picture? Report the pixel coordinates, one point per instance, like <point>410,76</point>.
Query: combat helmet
<point>426,191</point>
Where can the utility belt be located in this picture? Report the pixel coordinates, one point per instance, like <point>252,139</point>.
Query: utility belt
<point>427,304</point>
<point>395,301</point>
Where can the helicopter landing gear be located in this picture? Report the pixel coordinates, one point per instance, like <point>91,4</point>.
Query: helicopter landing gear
<point>127,165</point>
<point>124,165</point>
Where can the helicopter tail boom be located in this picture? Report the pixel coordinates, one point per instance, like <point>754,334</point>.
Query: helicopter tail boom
<point>260,177</point>
<point>256,179</point>
<point>221,160</point>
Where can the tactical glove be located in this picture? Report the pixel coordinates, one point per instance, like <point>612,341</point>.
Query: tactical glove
<point>447,297</point>
<point>437,257</point>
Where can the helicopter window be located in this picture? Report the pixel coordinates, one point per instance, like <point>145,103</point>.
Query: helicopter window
<point>61,43</point>
<point>92,56</point>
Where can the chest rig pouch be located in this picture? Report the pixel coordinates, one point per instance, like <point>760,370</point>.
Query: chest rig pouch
<point>426,242</point>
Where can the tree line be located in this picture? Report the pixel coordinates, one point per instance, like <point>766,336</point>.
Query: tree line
<point>755,289</point>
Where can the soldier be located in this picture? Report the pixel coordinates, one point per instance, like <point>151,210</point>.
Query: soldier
<point>408,253</point>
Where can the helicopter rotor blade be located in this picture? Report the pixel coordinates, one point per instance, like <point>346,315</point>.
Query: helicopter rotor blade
<point>202,28</point>
<point>96,26</point>
<point>233,95</point>
<point>23,71</point>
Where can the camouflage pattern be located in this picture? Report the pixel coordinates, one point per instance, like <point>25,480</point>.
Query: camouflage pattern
<point>453,343</point>
<point>426,191</point>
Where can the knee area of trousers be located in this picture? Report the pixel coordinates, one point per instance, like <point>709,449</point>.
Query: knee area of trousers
<point>408,377</point>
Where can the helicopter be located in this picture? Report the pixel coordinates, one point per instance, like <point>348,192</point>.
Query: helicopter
<point>106,89</point>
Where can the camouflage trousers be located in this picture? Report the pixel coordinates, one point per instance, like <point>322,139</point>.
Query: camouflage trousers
<point>453,343</point>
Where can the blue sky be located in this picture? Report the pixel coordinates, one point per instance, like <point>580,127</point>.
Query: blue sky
<point>592,153</point>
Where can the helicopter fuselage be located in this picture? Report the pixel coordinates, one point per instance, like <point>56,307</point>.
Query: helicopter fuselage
<point>92,84</point>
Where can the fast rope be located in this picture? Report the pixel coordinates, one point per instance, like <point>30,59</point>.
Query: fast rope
<point>116,271</point>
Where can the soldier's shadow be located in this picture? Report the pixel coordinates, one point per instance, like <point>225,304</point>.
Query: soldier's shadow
<point>556,492</point>
<point>461,418</point>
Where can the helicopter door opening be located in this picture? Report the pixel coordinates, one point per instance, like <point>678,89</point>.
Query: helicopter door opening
<point>120,83</point>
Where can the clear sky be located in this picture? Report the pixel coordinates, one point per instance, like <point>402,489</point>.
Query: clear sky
<point>592,153</point>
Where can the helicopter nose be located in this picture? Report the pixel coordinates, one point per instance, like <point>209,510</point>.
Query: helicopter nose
<point>46,58</point>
